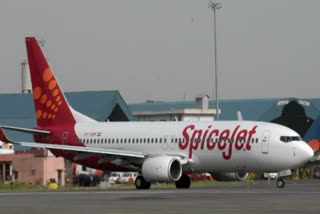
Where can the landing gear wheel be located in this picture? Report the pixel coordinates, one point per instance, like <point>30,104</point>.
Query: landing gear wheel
<point>141,183</point>
<point>280,183</point>
<point>183,183</point>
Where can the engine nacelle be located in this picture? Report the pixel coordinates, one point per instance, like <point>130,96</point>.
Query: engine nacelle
<point>230,176</point>
<point>162,169</point>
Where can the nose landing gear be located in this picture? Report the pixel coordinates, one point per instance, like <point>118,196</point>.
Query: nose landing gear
<point>280,183</point>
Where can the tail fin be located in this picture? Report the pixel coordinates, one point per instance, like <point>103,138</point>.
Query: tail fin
<point>312,137</point>
<point>50,103</point>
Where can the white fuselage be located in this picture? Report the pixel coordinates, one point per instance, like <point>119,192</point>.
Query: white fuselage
<point>223,146</point>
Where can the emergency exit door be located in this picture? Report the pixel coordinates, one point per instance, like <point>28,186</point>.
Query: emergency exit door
<point>265,142</point>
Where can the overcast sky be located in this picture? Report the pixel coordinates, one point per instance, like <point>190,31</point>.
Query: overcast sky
<point>163,50</point>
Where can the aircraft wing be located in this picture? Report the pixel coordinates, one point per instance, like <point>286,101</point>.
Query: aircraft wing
<point>117,156</point>
<point>101,151</point>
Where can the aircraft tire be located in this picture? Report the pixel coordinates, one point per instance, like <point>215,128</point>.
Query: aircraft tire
<point>280,183</point>
<point>141,183</point>
<point>183,183</point>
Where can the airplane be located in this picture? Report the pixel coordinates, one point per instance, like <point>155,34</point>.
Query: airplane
<point>160,151</point>
<point>6,148</point>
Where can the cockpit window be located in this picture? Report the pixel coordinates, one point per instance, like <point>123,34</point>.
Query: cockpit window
<point>288,139</point>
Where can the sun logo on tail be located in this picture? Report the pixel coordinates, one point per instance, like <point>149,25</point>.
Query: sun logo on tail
<point>48,97</point>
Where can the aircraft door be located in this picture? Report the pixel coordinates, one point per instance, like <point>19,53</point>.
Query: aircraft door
<point>265,142</point>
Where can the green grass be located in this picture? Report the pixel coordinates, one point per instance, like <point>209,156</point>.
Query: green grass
<point>20,187</point>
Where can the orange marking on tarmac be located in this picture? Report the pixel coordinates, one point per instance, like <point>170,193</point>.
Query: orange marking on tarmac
<point>37,93</point>
<point>38,113</point>
<point>52,84</point>
<point>44,99</point>
<point>47,75</point>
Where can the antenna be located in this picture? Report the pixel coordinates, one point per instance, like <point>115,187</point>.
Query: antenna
<point>215,6</point>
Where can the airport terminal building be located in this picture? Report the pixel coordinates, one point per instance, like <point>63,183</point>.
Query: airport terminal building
<point>18,110</point>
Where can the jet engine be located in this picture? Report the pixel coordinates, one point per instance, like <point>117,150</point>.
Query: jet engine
<point>161,168</point>
<point>230,176</point>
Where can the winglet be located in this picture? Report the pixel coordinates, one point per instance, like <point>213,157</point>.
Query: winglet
<point>3,137</point>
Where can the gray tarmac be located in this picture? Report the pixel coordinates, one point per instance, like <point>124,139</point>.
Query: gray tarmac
<point>301,196</point>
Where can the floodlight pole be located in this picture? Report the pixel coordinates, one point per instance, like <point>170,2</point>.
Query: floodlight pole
<point>214,7</point>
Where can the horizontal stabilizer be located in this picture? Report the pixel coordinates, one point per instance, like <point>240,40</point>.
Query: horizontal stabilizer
<point>29,131</point>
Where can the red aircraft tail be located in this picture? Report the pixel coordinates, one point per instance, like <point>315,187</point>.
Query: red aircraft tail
<point>51,106</point>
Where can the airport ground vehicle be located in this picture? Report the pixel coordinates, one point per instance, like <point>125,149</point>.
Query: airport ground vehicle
<point>115,177</point>
<point>128,177</point>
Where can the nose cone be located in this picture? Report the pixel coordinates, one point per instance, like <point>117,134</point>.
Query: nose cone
<point>305,152</point>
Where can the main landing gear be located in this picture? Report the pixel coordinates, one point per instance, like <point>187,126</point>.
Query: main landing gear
<point>141,183</point>
<point>184,182</point>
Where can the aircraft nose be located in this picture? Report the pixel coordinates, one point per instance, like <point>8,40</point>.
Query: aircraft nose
<point>306,152</point>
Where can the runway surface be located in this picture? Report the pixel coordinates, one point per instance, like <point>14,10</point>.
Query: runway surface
<point>297,197</point>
